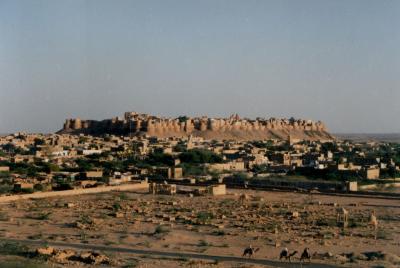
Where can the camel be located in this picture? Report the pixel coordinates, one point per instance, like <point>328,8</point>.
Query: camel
<point>305,255</point>
<point>285,254</point>
<point>342,216</point>
<point>250,251</point>
<point>243,198</point>
<point>373,220</point>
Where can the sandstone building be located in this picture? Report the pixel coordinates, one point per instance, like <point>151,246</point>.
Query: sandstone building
<point>232,128</point>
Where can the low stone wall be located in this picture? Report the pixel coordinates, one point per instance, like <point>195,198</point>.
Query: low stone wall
<point>377,186</point>
<point>217,189</point>
<point>124,187</point>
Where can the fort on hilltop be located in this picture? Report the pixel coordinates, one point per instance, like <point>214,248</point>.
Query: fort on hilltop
<point>232,128</point>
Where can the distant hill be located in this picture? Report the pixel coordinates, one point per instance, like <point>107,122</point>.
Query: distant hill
<point>363,137</point>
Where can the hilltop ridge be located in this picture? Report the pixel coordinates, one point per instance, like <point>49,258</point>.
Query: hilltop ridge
<point>232,128</point>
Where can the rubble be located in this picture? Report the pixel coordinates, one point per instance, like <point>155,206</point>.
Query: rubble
<point>45,251</point>
<point>69,255</point>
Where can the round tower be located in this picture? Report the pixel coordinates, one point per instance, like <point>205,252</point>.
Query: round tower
<point>77,123</point>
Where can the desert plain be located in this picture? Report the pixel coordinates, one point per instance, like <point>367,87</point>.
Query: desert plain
<point>212,227</point>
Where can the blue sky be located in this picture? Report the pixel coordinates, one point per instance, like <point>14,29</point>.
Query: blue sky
<point>337,61</point>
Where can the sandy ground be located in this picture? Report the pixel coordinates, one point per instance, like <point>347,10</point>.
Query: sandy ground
<point>222,225</point>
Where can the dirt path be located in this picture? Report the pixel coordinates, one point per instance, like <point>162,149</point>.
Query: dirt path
<point>170,254</point>
<point>95,190</point>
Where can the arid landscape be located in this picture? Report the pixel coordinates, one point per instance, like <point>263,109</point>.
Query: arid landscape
<point>204,225</point>
<point>199,134</point>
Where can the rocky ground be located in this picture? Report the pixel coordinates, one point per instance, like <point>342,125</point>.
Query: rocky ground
<point>222,226</point>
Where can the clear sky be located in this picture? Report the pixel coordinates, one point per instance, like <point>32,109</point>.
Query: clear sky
<point>332,60</point>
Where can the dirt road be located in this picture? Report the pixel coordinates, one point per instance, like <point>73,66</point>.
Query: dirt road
<point>221,258</point>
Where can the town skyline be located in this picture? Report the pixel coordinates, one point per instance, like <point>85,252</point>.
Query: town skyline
<point>97,117</point>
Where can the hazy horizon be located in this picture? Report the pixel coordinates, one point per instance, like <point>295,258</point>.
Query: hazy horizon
<point>334,61</point>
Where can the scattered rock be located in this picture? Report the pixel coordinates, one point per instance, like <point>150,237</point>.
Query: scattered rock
<point>294,214</point>
<point>374,255</point>
<point>96,221</point>
<point>118,214</point>
<point>361,257</point>
<point>392,258</point>
<point>69,205</point>
<point>64,255</point>
<point>341,258</point>
<point>47,251</point>
<point>80,225</point>
<point>94,258</point>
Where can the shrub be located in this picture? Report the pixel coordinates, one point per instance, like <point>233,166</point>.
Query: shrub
<point>219,233</point>
<point>36,236</point>
<point>39,187</point>
<point>116,206</point>
<point>4,216</point>
<point>27,190</point>
<point>5,188</point>
<point>85,219</point>
<point>382,234</point>
<point>123,196</point>
<point>40,216</point>
<point>161,229</point>
<point>159,159</point>
<point>44,216</point>
<point>200,156</point>
<point>204,243</point>
<point>22,264</point>
<point>131,264</point>
<point>205,216</point>
<point>193,170</point>
<point>13,248</point>
<point>326,222</point>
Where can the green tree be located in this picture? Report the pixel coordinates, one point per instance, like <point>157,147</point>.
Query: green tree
<point>159,159</point>
<point>84,165</point>
<point>200,156</point>
<point>38,141</point>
